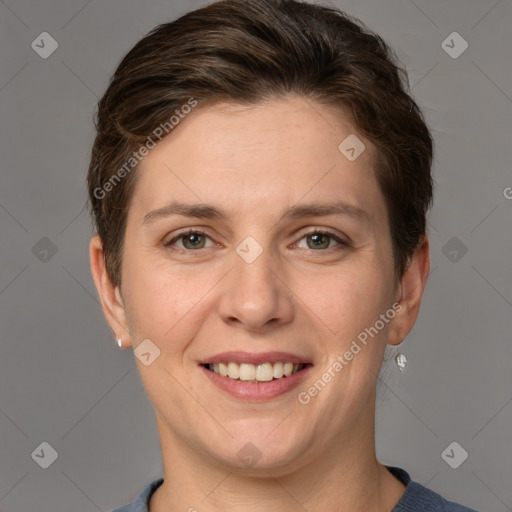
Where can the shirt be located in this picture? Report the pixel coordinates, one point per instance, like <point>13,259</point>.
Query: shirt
<point>416,497</point>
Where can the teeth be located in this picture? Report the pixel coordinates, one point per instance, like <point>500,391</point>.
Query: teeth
<point>278,370</point>
<point>264,372</point>
<point>255,373</point>
<point>223,369</point>
<point>247,371</point>
<point>233,370</point>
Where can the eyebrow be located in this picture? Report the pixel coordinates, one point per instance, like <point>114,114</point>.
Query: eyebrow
<point>206,211</point>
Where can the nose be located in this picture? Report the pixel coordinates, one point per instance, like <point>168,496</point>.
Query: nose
<point>255,295</point>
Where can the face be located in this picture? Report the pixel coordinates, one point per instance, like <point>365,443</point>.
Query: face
<point>252,239</point>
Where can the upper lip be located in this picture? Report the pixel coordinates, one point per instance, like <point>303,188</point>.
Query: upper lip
<point>254,358</point>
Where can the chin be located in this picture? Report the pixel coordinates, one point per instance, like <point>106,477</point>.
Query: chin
<point>257,455</point>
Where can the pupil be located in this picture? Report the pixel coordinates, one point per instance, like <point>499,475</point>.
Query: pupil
<point>193,239</point>
<point>319,240</point>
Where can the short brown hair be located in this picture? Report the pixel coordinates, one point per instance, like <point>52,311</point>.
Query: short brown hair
<point>248,51</point>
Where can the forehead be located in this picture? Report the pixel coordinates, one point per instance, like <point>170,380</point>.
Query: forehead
<point>270,155</point>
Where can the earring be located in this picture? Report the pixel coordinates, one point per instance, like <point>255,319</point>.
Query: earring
<point>401,361</point>
<point>120,343</point>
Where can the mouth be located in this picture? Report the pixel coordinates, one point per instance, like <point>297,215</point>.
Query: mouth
<point>255,377</point>
<point>256,373</point>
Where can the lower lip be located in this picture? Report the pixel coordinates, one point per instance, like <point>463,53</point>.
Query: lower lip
<point>257,392</point>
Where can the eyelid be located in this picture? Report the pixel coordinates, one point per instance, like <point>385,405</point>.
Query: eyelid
<point>343,241</point>
<point>188,231</point>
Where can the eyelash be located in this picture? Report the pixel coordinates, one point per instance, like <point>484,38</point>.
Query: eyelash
<point>191,231</point>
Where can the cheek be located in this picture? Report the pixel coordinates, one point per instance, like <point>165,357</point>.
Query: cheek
<point>345,301</point>
<point>164,305</point>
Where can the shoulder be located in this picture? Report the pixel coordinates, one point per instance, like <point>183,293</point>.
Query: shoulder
<point>417,497</point>
<point>142,501</point>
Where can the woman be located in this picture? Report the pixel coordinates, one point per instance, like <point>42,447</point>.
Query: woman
<point>259,184</point>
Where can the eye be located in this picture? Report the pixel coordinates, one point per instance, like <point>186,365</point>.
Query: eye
<point>321,240</point>
<point>190,240</point>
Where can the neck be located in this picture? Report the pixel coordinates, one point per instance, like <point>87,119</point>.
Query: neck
<point>345,476</point>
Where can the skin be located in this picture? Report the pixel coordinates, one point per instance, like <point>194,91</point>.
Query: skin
<point>254,162</point>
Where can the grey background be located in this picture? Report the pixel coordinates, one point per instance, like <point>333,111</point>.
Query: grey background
<point>62,378</point>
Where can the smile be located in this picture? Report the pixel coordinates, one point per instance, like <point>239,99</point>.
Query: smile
<point>252,373</point>
<point>256,377</point>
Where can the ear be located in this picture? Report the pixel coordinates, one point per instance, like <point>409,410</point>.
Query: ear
<point>110,295</point>
<point>410,292</point>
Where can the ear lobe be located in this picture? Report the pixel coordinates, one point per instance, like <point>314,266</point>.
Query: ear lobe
<point>412,286</point>
<point>110,296</point>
